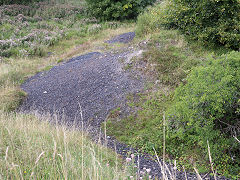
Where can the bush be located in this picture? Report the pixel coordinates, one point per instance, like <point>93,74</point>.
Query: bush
<point>150,20</point>
<point>207,108</point>
<point>215,22</point>
<point>117,9</point>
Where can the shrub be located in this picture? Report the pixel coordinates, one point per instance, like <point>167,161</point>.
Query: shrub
<point>215,22</point>
<point>151,20</point>
<point>117,9</point>
<point>207,108</point>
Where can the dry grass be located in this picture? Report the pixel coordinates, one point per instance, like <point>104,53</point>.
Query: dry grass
<point>37,150</point>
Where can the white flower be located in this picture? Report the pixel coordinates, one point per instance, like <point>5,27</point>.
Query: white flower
<point>128,159</point>
<point>148,170</point>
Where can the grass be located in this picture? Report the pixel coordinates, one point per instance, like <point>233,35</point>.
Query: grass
<point>31,30</point>
<point>34,149</point>
<point>169,57</point>
<point>141,129</point>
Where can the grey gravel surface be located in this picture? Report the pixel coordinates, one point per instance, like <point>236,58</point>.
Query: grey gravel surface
<point>122,38</point>
<point>96,82</point>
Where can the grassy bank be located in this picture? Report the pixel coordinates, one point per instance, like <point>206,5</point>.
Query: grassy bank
<point>170,58</point>
<point>38,36</point>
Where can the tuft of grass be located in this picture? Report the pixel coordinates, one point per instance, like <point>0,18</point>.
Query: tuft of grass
<point>11,98</point>
<point>150,21</point>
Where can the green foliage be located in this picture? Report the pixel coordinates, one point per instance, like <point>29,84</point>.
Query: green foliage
<point>29,30</point>
<point>150,21</point>
<point>215,22</point>
<point>206,108</point>
<point>117,9</point>
<point>144,129</point>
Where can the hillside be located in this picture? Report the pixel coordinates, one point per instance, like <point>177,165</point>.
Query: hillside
<point>75,80</point>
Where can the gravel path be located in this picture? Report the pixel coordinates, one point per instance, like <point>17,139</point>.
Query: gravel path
<point>122,38</point>
<point>96,82</point>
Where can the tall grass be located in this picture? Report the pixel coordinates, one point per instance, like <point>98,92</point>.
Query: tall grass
<point>34,149</point>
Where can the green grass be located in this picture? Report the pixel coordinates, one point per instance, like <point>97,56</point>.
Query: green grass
<point>169,58</point>
<point>32,148</point>
<point>143,129</point>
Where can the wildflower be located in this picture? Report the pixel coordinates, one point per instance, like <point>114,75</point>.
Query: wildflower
<point>148,170</point>
<point>131,177</point>
<point>128,159</point>
<point>132,156</point>
<point>150,177</point>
